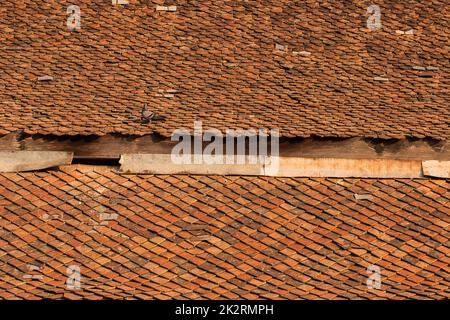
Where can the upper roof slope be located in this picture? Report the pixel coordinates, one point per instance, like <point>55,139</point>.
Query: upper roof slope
<point>222,59</point>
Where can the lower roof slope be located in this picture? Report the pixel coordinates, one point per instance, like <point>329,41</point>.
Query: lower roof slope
<point>221,237</point>
<point>306,67</point>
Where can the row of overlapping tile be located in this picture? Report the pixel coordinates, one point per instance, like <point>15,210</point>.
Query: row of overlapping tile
<point>305,67</point>
<point>192,237</point>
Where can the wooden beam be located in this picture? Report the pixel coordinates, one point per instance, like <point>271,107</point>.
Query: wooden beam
<point>11,141</point>
<point>162,164</point>
<point>434,168</point>
<point>362,148</point>
<point>92,147</point>
<point>16,161</point>
<point>113,146</point>
<point>347,168</point>
<point>279,167</point>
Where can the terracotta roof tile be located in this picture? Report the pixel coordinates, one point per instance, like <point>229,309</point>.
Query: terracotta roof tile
<point>218,62</point>
<point>315,240</point>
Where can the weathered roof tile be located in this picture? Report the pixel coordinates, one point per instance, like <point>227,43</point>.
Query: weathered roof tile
<point>155,251</point>
<point>220,58</point>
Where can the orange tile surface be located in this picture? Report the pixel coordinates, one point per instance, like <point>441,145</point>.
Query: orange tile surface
<point>190,237</point>
<point>218,61</point>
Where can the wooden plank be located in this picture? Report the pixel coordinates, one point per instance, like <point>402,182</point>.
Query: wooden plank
<point>17,161</point>
<point>434,168</point>
<point>347,168</point>
<point>162,164</point>
<point>279,167</point>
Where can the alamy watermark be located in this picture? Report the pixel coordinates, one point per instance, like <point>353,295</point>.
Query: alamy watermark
<point>73,281</point>
<point>74,19</point>
<point>229,148</point>
<point>374,20</point>
<point>374,279</point>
